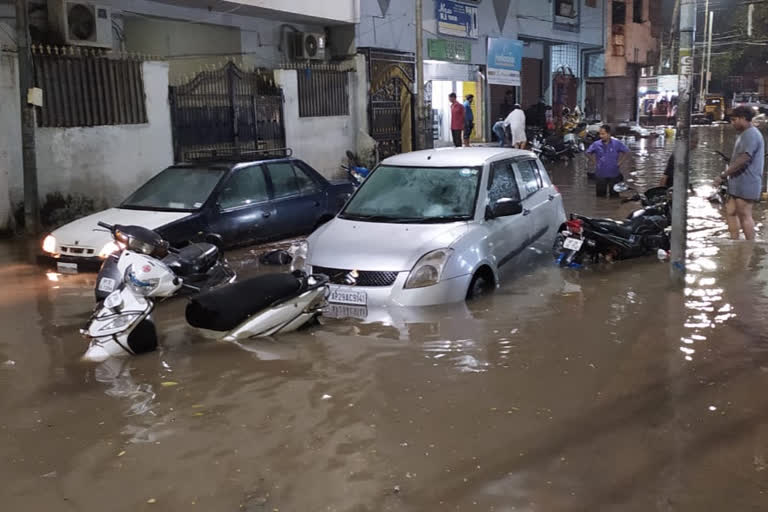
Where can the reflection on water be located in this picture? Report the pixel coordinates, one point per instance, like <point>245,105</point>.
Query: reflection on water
<point>513,402</point>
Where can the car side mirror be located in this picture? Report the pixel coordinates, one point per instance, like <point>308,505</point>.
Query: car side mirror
<point>504,207</point>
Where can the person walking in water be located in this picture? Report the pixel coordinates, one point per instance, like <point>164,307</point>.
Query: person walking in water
<point>608,155</point>
<point>457,119</point>
<point>744,174</point>
<point>469,118</point>
<point>516,123</point>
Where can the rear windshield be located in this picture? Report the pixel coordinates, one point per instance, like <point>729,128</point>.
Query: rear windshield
<point>176,188</point>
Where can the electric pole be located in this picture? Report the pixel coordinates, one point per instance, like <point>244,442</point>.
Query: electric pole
<point>683,144</point>
<point>418,85</point>
<point>29,159</point>
<point>702,101</point>
<point>709,52</point>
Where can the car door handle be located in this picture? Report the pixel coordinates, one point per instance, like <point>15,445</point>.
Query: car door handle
<point>551,197</point>
<point>526,213</point>
<point>266,215</point>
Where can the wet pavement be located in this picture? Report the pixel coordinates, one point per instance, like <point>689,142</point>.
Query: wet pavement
<point>603,389</point>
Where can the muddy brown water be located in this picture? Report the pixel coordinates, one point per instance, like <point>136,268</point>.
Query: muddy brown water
<point>603,389</point>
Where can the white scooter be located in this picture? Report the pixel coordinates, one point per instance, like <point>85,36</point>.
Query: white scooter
<point>261,306</point>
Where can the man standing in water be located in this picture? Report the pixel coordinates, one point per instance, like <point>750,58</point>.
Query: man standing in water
<point>457,119</point>
<point>608,155</point>
<point>744,174</point>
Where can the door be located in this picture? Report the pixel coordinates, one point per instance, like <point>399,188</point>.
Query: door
<point>298,198</point>
<point>536,202</point>
<point>243,211</point>
<point>508,236</point>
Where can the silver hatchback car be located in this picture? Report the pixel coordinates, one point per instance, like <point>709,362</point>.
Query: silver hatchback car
<point>435,227</point>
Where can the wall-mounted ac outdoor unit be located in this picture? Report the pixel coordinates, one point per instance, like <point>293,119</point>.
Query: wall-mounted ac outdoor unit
<point>309,45</point>
<point>81,23</point>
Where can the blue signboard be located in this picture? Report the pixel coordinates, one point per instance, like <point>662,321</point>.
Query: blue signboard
<point>505,61</point>
<point>457,19</point>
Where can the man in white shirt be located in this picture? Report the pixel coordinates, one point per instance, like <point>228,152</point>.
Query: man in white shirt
<point>516,123</point>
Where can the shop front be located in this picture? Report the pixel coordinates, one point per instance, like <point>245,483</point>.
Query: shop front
<point>449,70</point>
<point>657,100</point>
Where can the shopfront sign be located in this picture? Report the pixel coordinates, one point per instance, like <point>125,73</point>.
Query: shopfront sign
<point>505,61</point>
<point>450,50</point>
<point>457,19</point>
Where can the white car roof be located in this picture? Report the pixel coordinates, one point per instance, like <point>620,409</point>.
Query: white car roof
<point>453,157</point>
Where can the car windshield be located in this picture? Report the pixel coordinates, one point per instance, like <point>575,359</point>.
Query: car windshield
<point>176,188</point>
<point>416,195</point>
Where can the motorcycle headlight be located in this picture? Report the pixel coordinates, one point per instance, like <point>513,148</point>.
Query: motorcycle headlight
<point>299,252</point>
<point>119,322</point>
<point>49,244</point>
<point>141,286</point>
<point>110,248</point>
<point>429,269</point>
<point>140,246</point>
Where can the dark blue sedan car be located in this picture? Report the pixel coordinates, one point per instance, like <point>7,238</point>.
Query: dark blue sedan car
<point>244,202</point>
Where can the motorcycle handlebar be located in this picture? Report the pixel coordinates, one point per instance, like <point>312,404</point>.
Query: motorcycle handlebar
<point>105,225</point>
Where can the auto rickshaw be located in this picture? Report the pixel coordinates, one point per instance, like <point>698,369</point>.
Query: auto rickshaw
<point>714,107</point>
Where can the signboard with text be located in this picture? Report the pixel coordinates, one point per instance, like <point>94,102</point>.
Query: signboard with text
<point>450,50</point>
<point>457,19</point>
<point>505,61</point>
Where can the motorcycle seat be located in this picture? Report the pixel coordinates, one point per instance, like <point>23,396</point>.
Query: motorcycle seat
<point>225,308</point>
<point>629,227</point>
<point>193,259</point>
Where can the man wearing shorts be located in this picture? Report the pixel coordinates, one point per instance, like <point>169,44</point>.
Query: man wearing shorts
<point>744,174</point>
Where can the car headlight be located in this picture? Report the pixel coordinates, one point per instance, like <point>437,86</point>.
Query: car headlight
<point>141,286</point>
<point>429,269</point>
<point>110,248</point>
<point>299,252</point>
<point>49,244</point>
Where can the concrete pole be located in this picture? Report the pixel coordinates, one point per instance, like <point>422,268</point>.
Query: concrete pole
<point>709,52</point>
<point>703,70</point>
<point>418,85</point>
<point>683,145</point>
<point>28,156</point>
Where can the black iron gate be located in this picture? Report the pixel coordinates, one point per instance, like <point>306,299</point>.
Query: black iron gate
<point>227,110</point>
<point>390,99</point>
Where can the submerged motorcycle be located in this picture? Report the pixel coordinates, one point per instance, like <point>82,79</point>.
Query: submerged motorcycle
<point>201,264</point>
<point>583,239</point>
<point>122,324</point>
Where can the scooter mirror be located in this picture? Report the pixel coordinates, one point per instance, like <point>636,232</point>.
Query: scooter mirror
<point>621,187</point>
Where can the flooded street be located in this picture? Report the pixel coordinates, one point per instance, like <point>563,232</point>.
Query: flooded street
<point>602,389</point>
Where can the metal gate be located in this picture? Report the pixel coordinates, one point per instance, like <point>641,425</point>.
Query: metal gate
<point>227,110</point>
<point>390,103</point>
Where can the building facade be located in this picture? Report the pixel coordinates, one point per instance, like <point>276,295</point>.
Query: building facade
<point>632,30</point>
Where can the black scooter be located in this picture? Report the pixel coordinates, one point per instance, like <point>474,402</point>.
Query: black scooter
<point>200,264</point>
<point>582,240</point>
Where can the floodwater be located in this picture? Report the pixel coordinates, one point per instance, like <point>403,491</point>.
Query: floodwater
<point>604,389</point>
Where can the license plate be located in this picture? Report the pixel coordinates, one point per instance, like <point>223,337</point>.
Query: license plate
<point>573,244</point>
<point>66,268</point>
<point>348,296</point>
<point>107,285</point>
<point>345,311</point>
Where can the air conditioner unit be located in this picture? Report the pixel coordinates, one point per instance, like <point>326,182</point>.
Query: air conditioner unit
<point>308,45</point>
<point>81,23</point>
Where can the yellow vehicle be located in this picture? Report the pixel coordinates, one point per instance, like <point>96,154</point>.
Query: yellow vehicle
<point>715,107</point>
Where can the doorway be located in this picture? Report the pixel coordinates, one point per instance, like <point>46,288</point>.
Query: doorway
<point>441,109</point>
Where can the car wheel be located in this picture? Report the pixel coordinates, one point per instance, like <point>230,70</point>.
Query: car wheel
<point>143,338</point>
<point>482,283</point>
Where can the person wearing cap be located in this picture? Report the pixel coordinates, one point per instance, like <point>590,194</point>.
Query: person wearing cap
<point>515,121</point>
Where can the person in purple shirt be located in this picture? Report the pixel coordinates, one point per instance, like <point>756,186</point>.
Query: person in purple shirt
<point>608,155</point>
